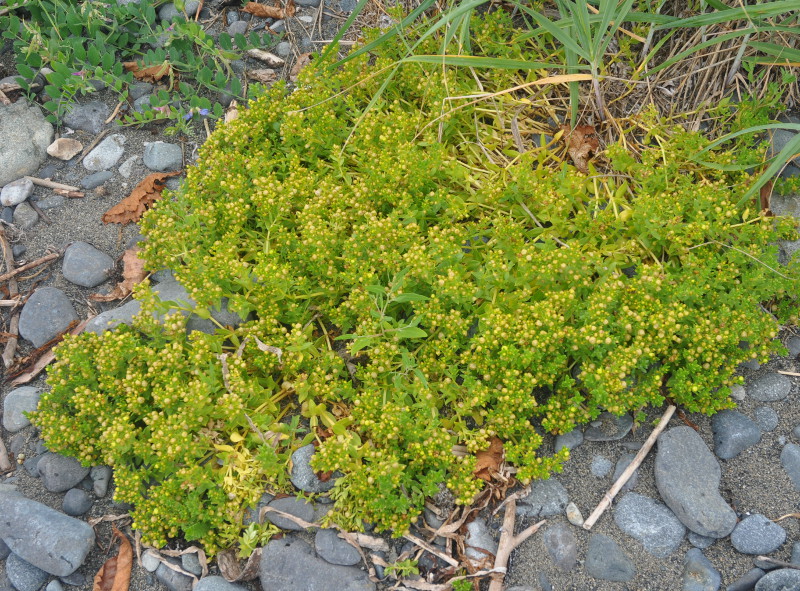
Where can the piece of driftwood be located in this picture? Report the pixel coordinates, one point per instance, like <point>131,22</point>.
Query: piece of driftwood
<point>13,291</point>
<point>51,184</point>
<point>508,542</point>
<point>40,261</point>
<point>637,460</point>
<point>5,463</point>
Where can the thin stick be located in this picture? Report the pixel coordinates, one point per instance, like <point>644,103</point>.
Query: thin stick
<point>114,112</point>
<point>508,543</point>
<point>426,546</point>
<point>40,213</point>
<point>89,148</point>
<point>789,373</point>
<point>777,562</point>
<point>13,291</point>
<point>13,273</point>
<point>637,460</point>
<point>51,184</point>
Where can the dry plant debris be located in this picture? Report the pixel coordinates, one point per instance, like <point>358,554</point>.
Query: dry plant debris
<point>150,74</point>
<point>582,144</point>
<point>263,11</point>
<point>143,196</point>
<point>133,273</point>
<point>115,574</point>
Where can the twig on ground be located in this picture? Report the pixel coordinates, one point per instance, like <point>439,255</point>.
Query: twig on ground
<point>13,292</point>
<point>777,562</point>
<point>51,184</point>
<point>40,261</point>
<point>114,112</point>
<point>39,211</point>
<point>426,546</point>
<point>5,463</point>
<point>637,460</point>
<point>46,357</point>
<point>789,373</point>
<point>70,194</point>
<point>509,542</point>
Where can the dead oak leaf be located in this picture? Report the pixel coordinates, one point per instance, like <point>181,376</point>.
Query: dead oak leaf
<point>582,144</point>
<point>115,574</point>
<point>133,273</point>
<point>264,75</point>
<point>150,74</point>
<point>302,61</point>
<point>134,205</point>
<point>488,462</point>
<point>262,11</point>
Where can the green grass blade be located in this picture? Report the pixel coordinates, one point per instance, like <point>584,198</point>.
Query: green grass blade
<point>717,5</point>
<point>757,12</point>
<point>700,46</point>
<point>338,37</point>
<point>612,21</point>
<point>473,61</point>
<point>777,51</point>
<point>559,31</point>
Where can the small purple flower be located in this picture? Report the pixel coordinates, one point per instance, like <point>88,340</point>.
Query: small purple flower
<point>80,73</point>
<point>190,114</point>
<point>164,109</point>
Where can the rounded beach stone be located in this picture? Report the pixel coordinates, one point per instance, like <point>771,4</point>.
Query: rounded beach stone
<point>85,265</point>
<point>733,433</point>
<point>16,403</point>
<point>76,502</point>
<point>757,535</point>
<point>605,560</point>
<point>60,473</point>
<point>770,388</point>
<point>16,192</point>
<point>45,315</point>
<point>24,137</point>
<point>334,549</point>
<point>23,575</point>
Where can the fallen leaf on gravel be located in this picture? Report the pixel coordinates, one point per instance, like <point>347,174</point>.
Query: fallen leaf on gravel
<point>582,143</point>
<point>265,56</point>
<point>232,113</point>
<point>115,574</point>
<point>302,61</point>
<point>132,273</point>
<point>262,11</point>
<point>149,74</point>
<point>134,205</point>
<point>265,75</point>
<point>488,461</point>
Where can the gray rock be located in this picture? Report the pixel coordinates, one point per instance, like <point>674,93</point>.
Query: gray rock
<point>24,137</point>
<point>546,499</point>
<point>699,541</point>
<point>479,540</point>
<point>308,3</point>
<point>142,104</point>
<point>16,192</point>
<point>7,215</point>
<point>293,506</point>
<point>334,549</point>
<point>31,466</point>
<point>77,502</point>
<point>110,319</point>
<point>169,12</point>
<point>75,579</point>
<point>138,90</point>
<point>20,249</point>
<point>217,584</point>
<point>795,559</point>
<point>757,535</point>
<point>747,581</point>
<point>126,168</point>
<point>770,388</point>
<point>150,562</point>
<point>4,550</point>
<point>601,466</point>
<point>650,522</point>
<point>101,477</point>
<point>237,28</point>
<point>687,477</point>
<point>89,117</point>
<point>289,565</point>
<point>191,564</point>
<point>622,464</point>
<point>51,201</point>
<point>106,154</point>
<point>608,427</point>
<point>24,576</point>
<point>570,440</point>
<point>283,49</point>
<point>733,433</point>
<point>85,265</point>
<point>46,314</point>
<point>173,580</point>
<point>738,392</point>
<point>784,579</point>
<point>779,138</point>
<point>793,345</point>
<point>605,560</point>
<point>562,546</point>
<point>698,573</point>
<point>574,514</point>
<point>60,473</point>
<point>54,585</point>
<point>25,217</point>
<point>5,584</point>
<point>17,402</point>
<point>252,514</point>
<point>790,460</point>
<point>161,156</point>
<point>93,181</point>
<point>278,26</point>
<point>303,476</point>
<point>750,364</point>
<point>766,418</point>
<point>46,538</point>
<point>224,317</point>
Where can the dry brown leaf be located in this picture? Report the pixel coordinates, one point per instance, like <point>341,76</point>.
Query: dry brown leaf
<point>132,273</point>
<point>150,74</point>
<point>582,143</point>
<point>290,9</point>
<point>115,574</point>
<point>134,205</point>
<point>488,462</point>
<point>302,61</point>
<point>765,196</point>
<point>265,75</point>
<point>262,11</point>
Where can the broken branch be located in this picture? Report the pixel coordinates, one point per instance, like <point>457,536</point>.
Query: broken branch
<point>13,273</point>
<point>637,460</point>
<point>508,543</point>
<point>50,184</point>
